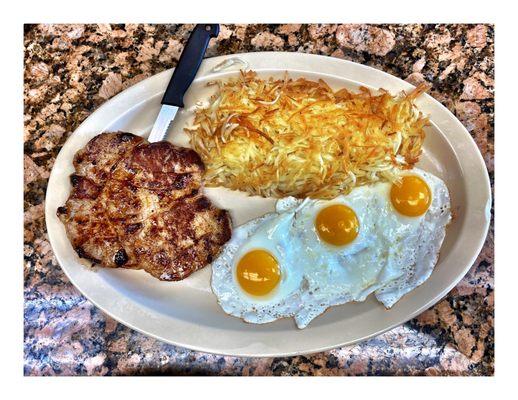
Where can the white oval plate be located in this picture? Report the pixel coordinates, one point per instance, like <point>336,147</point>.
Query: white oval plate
<point>186,313</point>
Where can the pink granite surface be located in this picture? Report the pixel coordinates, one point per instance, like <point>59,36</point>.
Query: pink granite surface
<point>72,69</point>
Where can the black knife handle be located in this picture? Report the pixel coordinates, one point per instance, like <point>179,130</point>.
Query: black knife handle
<point>189,62</point>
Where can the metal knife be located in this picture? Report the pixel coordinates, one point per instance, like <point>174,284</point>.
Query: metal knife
<point>183,75</point>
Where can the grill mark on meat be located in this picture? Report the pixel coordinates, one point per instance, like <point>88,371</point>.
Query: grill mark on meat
<point>132,228</point>
<point>84,188</point>
<point>120,258</point>
<point>126,137</point>
<point>224,221</point>
<point>163,157</point>
<point>83,254</point>
<point>208,244</point>
<point>162,259</point>
<point>74,180</point>
<point>182,181</point>
<point>202,204</point>
<point>144,202</point>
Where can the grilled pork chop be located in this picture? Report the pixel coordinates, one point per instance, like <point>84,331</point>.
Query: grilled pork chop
<point>137,205</point>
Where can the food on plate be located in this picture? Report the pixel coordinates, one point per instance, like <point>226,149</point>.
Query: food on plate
<point>138,205</point>
<point>383,238</point>
<point>296,137</point>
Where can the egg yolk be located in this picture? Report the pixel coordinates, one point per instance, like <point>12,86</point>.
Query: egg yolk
<point>337,225</point>
<point>258,272</point>
<point>412,197</point>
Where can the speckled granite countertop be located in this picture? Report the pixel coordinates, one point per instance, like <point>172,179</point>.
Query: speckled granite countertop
<point>72,69</point>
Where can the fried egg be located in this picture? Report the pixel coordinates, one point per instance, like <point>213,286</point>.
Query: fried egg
<point>312,254</point>
<point>416,236</point>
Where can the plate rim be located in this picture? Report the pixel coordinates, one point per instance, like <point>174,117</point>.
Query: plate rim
<point>214,61</point>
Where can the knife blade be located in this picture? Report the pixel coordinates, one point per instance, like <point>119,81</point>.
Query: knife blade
<point>183,75</point>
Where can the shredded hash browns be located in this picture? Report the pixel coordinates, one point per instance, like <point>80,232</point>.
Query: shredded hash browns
<point>286,137</point>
